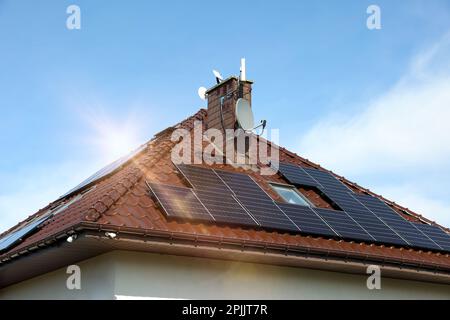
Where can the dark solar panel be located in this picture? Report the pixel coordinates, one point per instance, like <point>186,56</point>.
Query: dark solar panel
<point>216,196</point>
<point>296,175</point>
<point>106,170</point>
<point>179,202</point>
<point>203,178</point>
<point>257,202</point>
<point>17,235</point>
<point>343,224</point>
<point>374,225</point>
<point>225,208</point>
<point>436,234</point>
<point>401,226</point>
<point>342,196</point>
<point>327,180</point>
<point>365,217</point>
<point>306,219</point>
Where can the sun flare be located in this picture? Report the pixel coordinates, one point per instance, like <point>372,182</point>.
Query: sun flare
<point>114,138</point>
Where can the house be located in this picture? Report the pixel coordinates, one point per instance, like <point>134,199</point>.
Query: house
<point>147,227</point>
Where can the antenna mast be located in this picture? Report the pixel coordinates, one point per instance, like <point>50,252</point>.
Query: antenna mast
<point>243,76</point>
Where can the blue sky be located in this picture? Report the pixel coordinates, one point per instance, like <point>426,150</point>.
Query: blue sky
<point>372,105</point>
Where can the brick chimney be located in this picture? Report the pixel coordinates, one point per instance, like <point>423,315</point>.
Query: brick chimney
<point>225,95</point>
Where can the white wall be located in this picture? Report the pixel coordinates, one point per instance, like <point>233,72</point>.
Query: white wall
<point>134,274</point>
<point>181,277</point>
<point>97,282</point>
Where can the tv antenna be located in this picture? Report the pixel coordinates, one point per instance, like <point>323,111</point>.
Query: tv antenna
<point>218,76</point>
<point>243,76</point>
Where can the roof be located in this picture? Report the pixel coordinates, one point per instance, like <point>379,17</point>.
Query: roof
<point>120,202</point>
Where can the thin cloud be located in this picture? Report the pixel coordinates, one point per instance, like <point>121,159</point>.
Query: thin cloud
<point>402,136</point>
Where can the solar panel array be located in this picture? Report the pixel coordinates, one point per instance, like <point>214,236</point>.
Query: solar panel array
<point>15,236</point>
<point>216,196</point>
<point>225,208</point>
<point>358,212</point>
<point>436,234</point>
<point>257,202</point>
<point>307,220</point>
<point>219,196</point>
<point>180,202</point>
<point>295,176</point>
<point>26,229</point>
<point>202,178</point>
<point>344,225</point>
<point>375,217</point>
<point>235,198</point>
<point>112,167</point>
<point>403,227</point>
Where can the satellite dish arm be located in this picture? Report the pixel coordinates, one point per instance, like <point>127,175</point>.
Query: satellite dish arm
<point>262,124</point>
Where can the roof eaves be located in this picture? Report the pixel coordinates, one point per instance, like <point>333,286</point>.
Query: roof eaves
<point>147,237</point>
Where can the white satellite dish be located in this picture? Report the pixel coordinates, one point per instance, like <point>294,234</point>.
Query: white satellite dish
<point>244,115</point>
<point>218,76</point>
<point>202,93</point>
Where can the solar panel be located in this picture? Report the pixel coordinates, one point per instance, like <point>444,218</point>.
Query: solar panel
<point>257,202</point>
<point>364,217</point>
<point>203,178</point>
<point>180,202</point>
<point>343,224</point>
<point>17,235</point>
<point>436,234</point>
<point>343,197</point>
<point>296,175</point>
<point>306,219</point>
<point>376,227</point>
<point>216,196</point>
<point>327,180</point>
<point>106,170</point>
<point>401,226</point>
<point>224,208</point>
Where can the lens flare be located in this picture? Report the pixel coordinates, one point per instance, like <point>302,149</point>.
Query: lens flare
<point>113,138</point>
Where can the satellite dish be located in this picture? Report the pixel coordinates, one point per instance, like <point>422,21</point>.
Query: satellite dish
<point>218,76</point>
<point>202,93</point>
<point>244,115</point>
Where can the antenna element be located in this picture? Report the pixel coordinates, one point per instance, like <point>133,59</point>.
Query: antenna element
<point>218,76</point>
<point>243,71</point>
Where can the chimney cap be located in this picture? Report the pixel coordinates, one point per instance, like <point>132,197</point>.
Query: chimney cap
<point>226,81</point>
